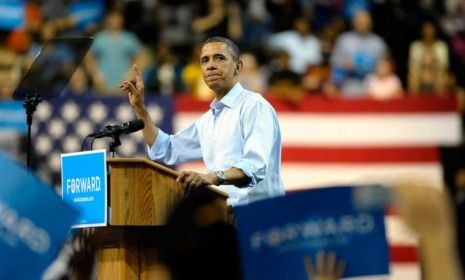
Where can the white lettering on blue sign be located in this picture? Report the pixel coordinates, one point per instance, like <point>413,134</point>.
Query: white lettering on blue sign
<point>360,224</point>
<point>14,228</point>
<point>83,185</point>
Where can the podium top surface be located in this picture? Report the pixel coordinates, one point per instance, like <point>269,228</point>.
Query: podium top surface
<point>162,168</point>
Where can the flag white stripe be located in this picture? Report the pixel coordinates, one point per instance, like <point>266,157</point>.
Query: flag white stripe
<point>366,130</point>
<point>369,129</point>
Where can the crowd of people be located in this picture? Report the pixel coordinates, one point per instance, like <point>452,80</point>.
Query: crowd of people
<point>349,49</point>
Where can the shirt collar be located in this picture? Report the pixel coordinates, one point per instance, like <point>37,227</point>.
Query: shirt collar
<point>229,100</point>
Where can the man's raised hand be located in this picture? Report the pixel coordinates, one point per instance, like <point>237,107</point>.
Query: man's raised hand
<point>135,90</point>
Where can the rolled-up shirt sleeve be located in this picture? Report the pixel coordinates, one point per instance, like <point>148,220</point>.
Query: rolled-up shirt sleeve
<point>261,139</point>
<point>161,145</point>
<point>181,147</point>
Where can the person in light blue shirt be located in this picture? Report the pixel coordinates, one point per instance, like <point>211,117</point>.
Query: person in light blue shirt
<point>238,138</point>
<point>113,51</point>
<point>356,55</point>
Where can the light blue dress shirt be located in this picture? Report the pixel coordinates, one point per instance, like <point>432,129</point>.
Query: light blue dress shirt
<point>241,130</point>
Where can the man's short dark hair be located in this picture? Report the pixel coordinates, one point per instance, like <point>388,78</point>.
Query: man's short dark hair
<point>232,46</point>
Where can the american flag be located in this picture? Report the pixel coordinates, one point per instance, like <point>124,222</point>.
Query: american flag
<point>339,142</point>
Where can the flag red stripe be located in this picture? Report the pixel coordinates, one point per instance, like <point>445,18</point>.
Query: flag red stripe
<point>318,104</point>
<point>406,105</point>
<point>360,155</point>
<point>404,254</point>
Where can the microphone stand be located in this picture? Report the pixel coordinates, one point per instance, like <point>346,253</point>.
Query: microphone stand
<point>115,131</point>
<point>115,142</point>
<point>30,103</point>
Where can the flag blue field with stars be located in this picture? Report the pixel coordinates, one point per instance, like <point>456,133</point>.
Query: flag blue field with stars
<point>61,125</point>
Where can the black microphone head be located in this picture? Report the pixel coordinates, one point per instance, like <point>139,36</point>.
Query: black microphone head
<point>107,130</point>
<point>133,126</point>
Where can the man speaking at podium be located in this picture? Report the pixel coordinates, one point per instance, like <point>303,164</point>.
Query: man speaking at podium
<point>238,139</point>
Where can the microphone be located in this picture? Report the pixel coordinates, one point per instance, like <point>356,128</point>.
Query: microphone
<point>125,128</point>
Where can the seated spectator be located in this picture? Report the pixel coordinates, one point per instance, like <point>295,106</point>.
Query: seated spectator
<point>328,36</point>
<point>252,75</point>
<point>217,17</point>
<point>174,19</point>
<point>302,46</point>
<point>20,39</point>
<point>356,55</point>
<point>163,75</point>
<point>257,25</point>
<point>383,84</point>
<point>458,45</point>
<point>316,79</point>
<point>192,77</point>
<point>7,86</point>
<point>283,83</point>
<point>9,70</point>
<point>428,62</point>
<point>283,13</point>
<point>452,88</point>
<point>453,23</point>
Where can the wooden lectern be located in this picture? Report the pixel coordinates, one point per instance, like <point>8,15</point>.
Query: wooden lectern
<point>141,194</point>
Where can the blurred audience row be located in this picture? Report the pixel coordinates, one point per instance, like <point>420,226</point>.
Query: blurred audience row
<point>291,48</point>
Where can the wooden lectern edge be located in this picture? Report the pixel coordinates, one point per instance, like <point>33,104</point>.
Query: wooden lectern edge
<point>170,171</point>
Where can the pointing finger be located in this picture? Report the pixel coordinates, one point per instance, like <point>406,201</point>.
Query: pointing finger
<point>138,76</point>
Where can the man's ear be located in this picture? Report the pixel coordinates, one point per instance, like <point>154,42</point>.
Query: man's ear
<point>238,67</point>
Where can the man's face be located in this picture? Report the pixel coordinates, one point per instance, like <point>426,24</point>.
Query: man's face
<point>219,70</point>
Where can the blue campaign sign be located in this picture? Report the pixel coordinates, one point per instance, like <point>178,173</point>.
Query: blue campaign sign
<point>84,185</point>
<point>12,116</point>
<point>277,234</point>
<point>11,14</point>
<point>352,6</point>
<point>34,222</point>
<point>87,13</point>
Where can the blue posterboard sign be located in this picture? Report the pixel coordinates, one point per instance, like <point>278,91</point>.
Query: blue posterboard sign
<point>87,13</point>
<point>276,235</point>
<point>353,6</point>
<point>34,222</point>
<point>12,14</point>
<point>84,185</point>
<point>12,116</point>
